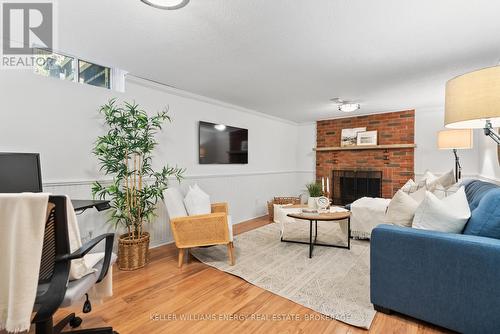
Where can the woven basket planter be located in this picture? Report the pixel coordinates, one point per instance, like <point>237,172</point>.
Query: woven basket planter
<point>133,253</point>
<point>280,200</point>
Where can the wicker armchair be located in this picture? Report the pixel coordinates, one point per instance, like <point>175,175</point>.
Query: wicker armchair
<point>280,200</point>
<point>203,230</point>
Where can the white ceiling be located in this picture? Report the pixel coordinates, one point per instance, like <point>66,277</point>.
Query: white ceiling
<point>287,58</point>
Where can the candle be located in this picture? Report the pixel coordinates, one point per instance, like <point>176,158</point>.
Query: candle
<point>323,184</point>
<point>327,185</point>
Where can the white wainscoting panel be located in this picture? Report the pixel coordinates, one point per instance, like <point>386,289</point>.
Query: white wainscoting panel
<point>247,195</point>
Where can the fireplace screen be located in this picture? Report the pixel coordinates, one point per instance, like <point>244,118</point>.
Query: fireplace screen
<point>350,185</point>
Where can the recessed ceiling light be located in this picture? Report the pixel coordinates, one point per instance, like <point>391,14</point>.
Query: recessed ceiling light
<point>166,4</point>
<point>220,127</point>
<point>349,107</point>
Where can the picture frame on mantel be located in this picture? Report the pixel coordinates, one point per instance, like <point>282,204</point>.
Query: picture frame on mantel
<point>367,138</point>
<point>348,137</point>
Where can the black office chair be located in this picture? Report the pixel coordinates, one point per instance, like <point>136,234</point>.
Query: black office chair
<point>54,289</point>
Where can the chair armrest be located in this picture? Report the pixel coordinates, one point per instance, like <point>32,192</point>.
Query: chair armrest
<point>220,207</point>
<point>82,251</point>
<point>200,230</point>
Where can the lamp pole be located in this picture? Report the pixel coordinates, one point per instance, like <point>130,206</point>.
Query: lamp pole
<point>458,167</point>
<point>489,131</point>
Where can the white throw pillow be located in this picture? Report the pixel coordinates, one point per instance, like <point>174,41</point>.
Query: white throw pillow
<point>428,177</point>
<point>197,202</point>
<point>401,209</point>
<point>174,203</point>
<point>446,180</point>
<point>411,186</point>
<point>449,214</point>
<point>442,192</point>
<point>418,195</point>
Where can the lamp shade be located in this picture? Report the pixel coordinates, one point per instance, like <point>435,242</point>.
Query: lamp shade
<point>473,98</point>
<point>455,139</point>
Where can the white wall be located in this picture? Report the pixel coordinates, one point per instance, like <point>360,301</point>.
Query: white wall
<point>428,121</point>
<point>489,167</point>
<point>306,157</point>
<point>60,120</point>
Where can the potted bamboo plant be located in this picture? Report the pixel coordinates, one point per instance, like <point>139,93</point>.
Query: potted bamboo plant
<point>125,152</point>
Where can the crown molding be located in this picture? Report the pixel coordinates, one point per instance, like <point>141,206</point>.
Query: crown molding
<point>182,93</point>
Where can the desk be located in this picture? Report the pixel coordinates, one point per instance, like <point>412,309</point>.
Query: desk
<point>81,205</point>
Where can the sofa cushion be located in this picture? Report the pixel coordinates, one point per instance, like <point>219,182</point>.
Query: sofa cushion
<point>485,218</point>
<point>476,190</point>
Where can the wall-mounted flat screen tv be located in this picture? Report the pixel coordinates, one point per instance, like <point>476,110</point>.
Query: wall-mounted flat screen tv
<point>222,144</point>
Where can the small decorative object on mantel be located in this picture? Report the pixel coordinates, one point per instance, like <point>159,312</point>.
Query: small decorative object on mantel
<point>367,138</point>
<point>349,136</point>
<point>125,152</point>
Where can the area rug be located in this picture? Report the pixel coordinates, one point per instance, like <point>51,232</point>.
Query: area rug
<point>335,282</point>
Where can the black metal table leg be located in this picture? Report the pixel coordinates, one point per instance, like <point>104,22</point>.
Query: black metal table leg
<point>310,238</point>
<point>315,230</point>
<point>349,233</point>
<point>314,242</point>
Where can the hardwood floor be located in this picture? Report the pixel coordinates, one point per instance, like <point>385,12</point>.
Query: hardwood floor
<point>161,298</point>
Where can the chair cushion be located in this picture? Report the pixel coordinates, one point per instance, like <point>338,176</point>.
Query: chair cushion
<point>197,202</point>
<point>485,218</point>
<point>76,289</point>
<point>174,203</point>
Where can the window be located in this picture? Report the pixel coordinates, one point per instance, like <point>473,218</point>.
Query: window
<point>93,74</point>
<point>56,65</point>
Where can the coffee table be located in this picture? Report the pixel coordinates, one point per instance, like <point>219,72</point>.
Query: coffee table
<point>314,218</point>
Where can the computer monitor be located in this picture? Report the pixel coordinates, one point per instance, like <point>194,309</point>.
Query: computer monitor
<point>20,172</point>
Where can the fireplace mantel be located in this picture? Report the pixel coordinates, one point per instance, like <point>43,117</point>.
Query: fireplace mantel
<point>367,147</point>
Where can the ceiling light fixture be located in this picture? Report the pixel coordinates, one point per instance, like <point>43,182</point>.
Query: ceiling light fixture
<point>345,106</point>
<point>166,4</point>
<point>349,107</point>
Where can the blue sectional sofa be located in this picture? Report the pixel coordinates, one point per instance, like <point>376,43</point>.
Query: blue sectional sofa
<point>450,280</point>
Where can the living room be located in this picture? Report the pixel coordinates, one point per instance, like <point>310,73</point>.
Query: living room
<point>194,138</point>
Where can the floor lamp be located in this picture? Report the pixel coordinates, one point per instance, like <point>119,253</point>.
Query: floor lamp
<point>473,102</point>
<point>455,140</point>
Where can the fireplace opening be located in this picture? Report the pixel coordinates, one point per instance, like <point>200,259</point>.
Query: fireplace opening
<point>350,185</point>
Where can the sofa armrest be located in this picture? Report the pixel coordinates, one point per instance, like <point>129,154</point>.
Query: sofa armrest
<point>220,207</point>
<point>200,230</point>
<point>447,279</point>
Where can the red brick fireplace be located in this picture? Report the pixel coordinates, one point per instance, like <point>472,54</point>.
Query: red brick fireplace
<point>394,155</point>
